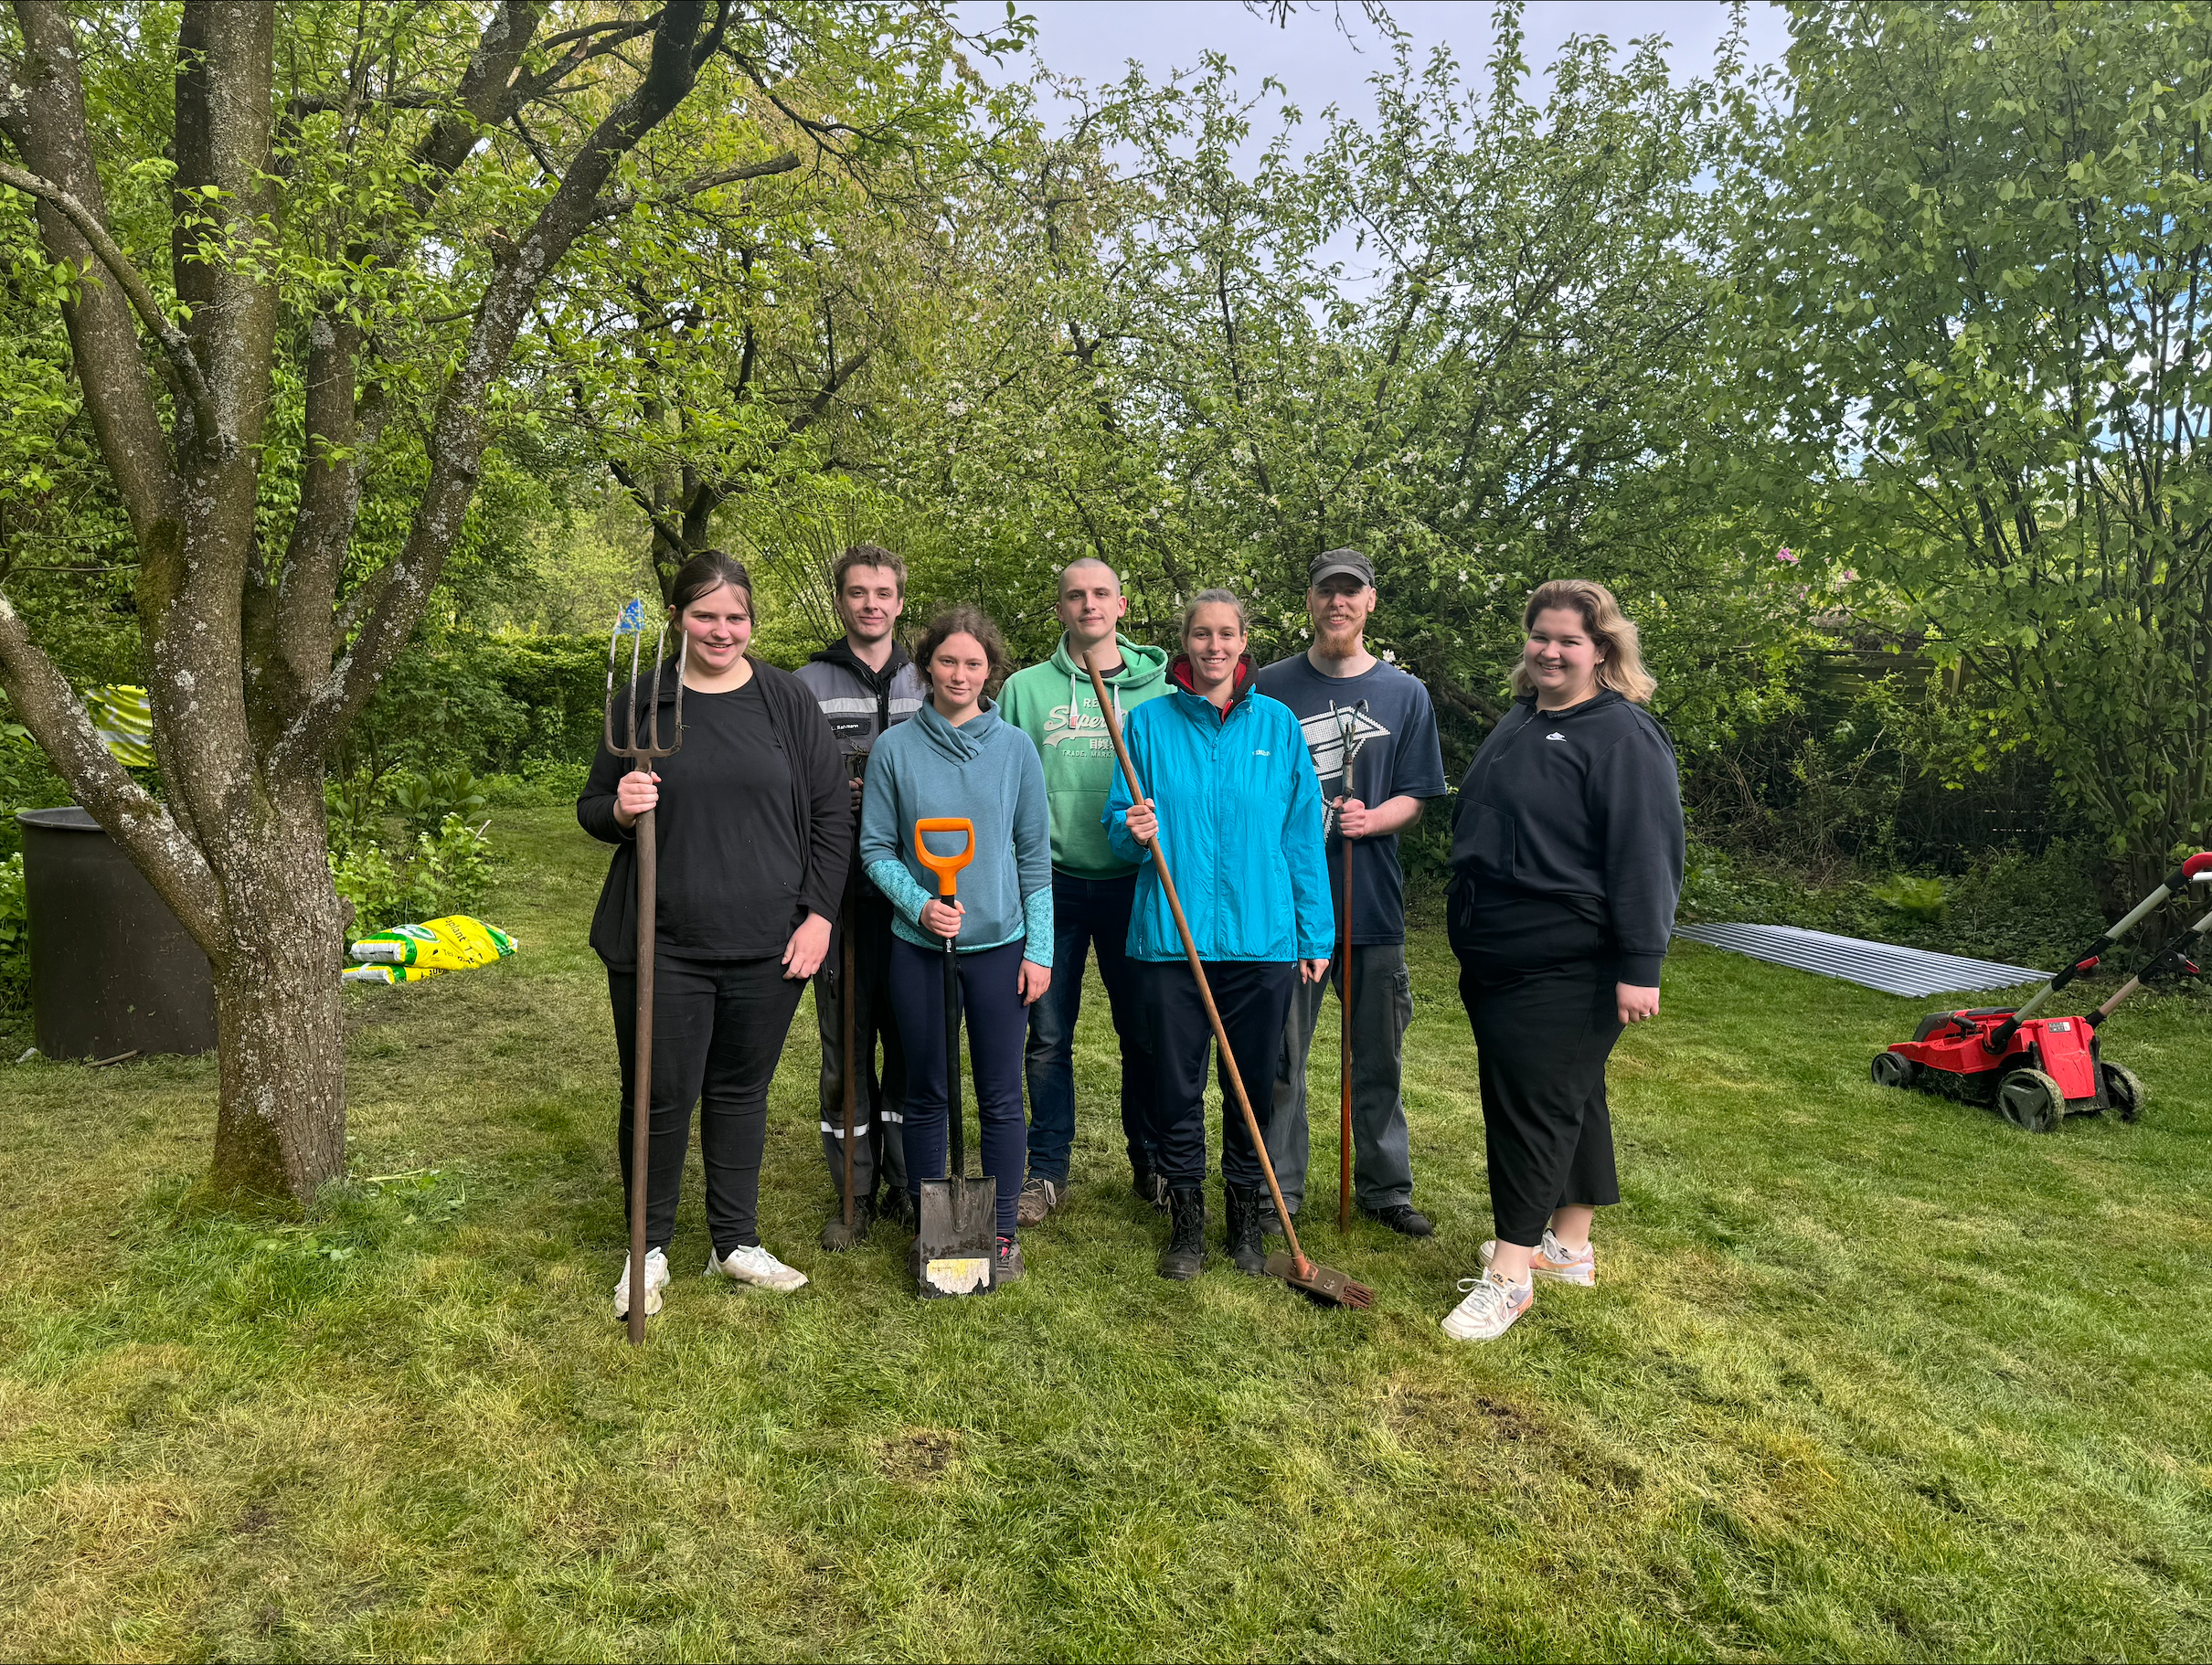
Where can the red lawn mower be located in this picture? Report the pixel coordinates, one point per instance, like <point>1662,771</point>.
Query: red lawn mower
<point>2037,1071</point>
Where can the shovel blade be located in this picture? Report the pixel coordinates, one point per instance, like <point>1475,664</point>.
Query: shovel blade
<point>956,1238</point>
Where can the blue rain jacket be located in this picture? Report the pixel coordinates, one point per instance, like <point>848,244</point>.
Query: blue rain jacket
<point>1241,818</point>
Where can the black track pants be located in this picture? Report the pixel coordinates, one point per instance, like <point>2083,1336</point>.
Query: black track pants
<point>1254,1000</point>
<point>879,1101</point>
<point>1542,1039</point>
<point>717,1031</point>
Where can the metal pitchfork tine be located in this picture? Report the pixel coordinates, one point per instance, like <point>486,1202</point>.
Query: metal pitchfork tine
<point>642,755</point>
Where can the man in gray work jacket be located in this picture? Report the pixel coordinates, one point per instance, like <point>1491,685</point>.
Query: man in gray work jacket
<point>864,684</point>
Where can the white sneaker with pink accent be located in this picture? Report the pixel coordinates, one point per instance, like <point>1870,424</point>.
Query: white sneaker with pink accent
<point>1554,1261</point>
<point>1491,1304</point>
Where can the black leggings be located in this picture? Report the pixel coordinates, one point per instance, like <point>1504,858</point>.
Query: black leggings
<point>1542,1039</point>
<point>717,1030</point>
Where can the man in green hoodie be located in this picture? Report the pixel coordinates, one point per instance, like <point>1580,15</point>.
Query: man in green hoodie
<point>1092,888</point>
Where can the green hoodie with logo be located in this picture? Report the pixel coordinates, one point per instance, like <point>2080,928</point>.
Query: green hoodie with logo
<point>1054,705</point>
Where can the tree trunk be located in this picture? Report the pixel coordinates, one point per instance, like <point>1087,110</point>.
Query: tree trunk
<point>280,1127</point>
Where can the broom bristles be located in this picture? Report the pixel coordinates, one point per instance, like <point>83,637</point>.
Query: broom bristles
<point>1321,1283</point>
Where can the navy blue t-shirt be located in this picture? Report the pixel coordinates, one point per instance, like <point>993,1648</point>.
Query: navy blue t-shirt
<point>1398,756</point>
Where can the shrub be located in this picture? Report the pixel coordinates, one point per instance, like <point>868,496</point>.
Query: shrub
<point>15,932</point>
<point>427,800</point>
<point>541,784</point>
<point>437,875</point>
<point>1916,898</point>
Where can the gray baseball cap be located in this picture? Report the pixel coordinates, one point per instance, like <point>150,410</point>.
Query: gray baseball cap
<point>1326,567</point>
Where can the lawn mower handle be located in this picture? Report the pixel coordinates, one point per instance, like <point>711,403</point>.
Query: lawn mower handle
<point>2198,867</point>
<point>2170,956</point>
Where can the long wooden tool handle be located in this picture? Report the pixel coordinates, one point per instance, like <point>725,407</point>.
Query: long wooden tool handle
<point>1343,1046</point>
<point>845,930</point>
<point>1205,993</point>
<point>641,1077</point>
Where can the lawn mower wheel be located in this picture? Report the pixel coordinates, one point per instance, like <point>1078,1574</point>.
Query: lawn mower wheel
<point>2123,1091</point>
<point>1893,1069</point>
<point>2031,1100</point>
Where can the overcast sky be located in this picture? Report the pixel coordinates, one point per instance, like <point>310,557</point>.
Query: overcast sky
<point>1321,64</point>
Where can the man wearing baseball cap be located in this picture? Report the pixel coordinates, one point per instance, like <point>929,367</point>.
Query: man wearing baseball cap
<point>1348,701</point>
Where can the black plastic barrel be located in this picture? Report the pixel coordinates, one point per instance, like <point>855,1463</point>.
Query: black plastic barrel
<point>111,970</point>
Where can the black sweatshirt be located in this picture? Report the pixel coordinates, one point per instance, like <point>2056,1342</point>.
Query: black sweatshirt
<point>754,831</point>
<point>1579,808</point>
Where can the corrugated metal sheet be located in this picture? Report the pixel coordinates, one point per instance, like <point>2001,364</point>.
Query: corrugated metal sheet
<point>1876,965</point>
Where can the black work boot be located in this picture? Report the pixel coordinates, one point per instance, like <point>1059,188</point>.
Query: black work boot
<point>1149,1186</point>
<point>1244,1218</point>
<point>1184,1257</point>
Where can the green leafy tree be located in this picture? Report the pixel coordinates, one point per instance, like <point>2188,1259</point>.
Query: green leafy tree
<point>292,251</point>
<point>733,345</point>
<point>1172,371</point>
<point>1972,368</point>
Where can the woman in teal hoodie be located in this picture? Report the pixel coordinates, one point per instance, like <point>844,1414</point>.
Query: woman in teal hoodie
<point>956,757</point>
<point>1237,809</point>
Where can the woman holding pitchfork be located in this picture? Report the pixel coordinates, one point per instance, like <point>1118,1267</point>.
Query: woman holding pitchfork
<point>752,827</point>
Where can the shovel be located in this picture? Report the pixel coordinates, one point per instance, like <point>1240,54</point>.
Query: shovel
<point>1309,1278</point>
<point>956,1238</point>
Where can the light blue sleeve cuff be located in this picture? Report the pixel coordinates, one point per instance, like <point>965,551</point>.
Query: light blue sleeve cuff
<point>899,889</point>
<point>1036,927</point>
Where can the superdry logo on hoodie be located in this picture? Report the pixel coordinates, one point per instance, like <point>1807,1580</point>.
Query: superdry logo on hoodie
<point>1064,722</point>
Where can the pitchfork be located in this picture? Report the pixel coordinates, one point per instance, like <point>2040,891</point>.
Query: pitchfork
<point>643,755</point>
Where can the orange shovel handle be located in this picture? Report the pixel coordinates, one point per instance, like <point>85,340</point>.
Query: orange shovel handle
<point>946,867</point>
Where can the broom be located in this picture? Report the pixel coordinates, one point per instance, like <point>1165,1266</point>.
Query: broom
<point>1309,1278</point>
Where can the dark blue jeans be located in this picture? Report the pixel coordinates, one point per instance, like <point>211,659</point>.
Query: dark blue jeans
<point>1085,911</point>
<point>989,997</point>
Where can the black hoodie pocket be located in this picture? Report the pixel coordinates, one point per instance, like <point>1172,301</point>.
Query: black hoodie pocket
<point>1490,841</point>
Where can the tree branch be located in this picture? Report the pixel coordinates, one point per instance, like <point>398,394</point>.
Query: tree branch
<point>458,433</point>
<point>129,280</point>
<point>700,184</point>
<point>481,95</point>
<point>134,817</point>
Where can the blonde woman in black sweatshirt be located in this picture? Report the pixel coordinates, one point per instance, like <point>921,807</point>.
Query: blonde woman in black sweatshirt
<point>1565,866</point>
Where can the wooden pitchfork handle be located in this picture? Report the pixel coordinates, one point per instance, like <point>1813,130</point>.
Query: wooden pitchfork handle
<point>1205,993</point>
<point>642,756</point>
<point>1343,1049</point>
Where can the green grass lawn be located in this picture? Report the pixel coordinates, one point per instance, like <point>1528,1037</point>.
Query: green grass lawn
<point>1870,1374</point>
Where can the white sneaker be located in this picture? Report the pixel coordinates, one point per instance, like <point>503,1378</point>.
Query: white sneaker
<point>1492,1305</point>
<point>656,1279</point>
<point>1553,1262</point>
<point>755,1266</point>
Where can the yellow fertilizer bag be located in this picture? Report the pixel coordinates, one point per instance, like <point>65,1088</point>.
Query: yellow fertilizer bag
<point>124,720</point>
<point>388,974</point>
<point>455,943</point>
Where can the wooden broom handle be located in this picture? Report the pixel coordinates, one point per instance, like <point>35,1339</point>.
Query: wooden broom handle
<point>1205,993</point>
